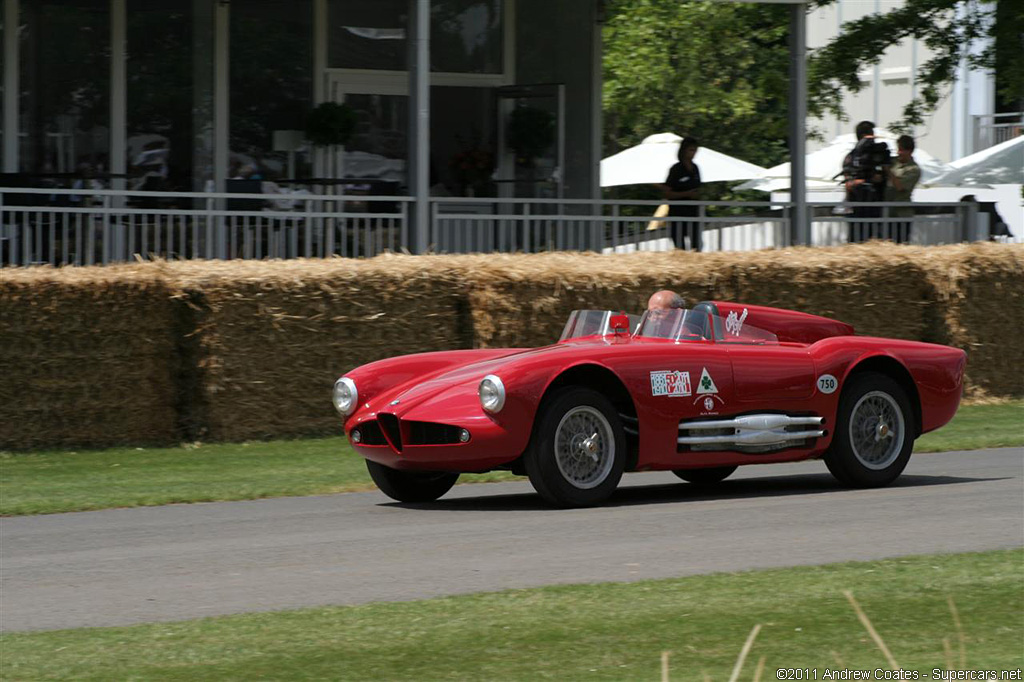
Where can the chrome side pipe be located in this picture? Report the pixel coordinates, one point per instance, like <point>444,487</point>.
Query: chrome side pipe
<point>752,429</point>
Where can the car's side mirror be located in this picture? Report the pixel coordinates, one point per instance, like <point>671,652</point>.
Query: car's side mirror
<point>619,324</point>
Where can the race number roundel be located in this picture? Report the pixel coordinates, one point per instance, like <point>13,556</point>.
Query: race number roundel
<point>827,383</point>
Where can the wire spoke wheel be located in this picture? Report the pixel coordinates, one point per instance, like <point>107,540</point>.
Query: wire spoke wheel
<point>578,449</point>
<point>584,447</point>
<point>876,426</point>
<point>877,430</point>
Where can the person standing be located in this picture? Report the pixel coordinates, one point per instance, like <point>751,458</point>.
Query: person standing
<point>903,177</point>
<point>865,169</point>
<point>683,182</point>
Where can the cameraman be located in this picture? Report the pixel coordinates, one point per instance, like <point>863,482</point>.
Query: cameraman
<point>865,170</point>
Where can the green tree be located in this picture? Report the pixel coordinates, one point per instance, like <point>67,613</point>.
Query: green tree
<point>950,29</point>
<point>716,71</point>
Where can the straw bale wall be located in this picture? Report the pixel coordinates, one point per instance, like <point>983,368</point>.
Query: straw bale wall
<point>273,337</point>
<point>880,289</point>
<point>237,350</point>
<point>87,357</point>
<point>980,296</point>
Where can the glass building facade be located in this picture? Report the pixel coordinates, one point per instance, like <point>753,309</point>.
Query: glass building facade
<point>179,95</point>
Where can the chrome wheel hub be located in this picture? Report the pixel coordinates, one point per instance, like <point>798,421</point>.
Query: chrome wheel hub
<point>877,430</point>
<point>584,447</point>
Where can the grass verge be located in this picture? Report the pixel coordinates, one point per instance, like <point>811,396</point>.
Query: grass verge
<point>586,632</point>
<point>64,481</point>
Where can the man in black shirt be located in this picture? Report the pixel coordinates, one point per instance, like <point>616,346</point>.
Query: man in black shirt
<point>683,182</point>
<point>865,170</point>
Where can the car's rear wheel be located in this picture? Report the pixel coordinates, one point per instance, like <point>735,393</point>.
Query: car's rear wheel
<point>708,476</point>
<point>578,451</point>
<point>874,432</point>
<point>411,486</point>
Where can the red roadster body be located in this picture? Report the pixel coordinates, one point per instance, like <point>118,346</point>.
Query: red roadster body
<point>698,392</point>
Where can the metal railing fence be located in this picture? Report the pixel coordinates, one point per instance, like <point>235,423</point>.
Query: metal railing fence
<point>79,227</point>
<point>508,225</point>
<point>993,129</point>
<point>617,226</point>
<point>87,227</point>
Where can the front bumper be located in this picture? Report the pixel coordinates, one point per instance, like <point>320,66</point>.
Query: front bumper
<point>489,444</point>
<point>426,436</point>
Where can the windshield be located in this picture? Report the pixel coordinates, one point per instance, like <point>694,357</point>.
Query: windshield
<point>676,324</point>
<point>593,323</point>
<point>679,324</point>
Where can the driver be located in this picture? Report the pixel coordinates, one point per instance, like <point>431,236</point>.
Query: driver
<point>665,300</point>
<point>658,307</point>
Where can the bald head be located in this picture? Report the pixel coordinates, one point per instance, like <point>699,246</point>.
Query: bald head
<point>664,300</point>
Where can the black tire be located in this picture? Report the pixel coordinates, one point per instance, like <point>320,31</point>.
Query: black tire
<point>708,476</point>
<point>411,486</point>
<point>589,468</point>
<point>873,409</point>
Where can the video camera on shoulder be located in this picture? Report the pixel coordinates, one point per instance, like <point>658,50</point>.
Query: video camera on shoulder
<point>869,158</point>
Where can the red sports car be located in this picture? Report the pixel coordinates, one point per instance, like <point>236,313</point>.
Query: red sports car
<point>697,392</point>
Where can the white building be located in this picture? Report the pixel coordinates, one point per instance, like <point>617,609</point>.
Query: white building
<point>949,132</point>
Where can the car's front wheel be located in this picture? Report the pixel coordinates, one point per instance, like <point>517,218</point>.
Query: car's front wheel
<point>874,432</point>
<point>708,476</point>
<point>411,486</point>
<point>578,452</point>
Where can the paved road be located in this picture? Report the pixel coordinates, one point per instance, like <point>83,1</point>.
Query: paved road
<point>184,561</point>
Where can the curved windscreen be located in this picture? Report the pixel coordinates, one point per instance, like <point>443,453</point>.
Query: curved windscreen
<point>679,324</point>
<point>593,323</point>
<point>676,324</point>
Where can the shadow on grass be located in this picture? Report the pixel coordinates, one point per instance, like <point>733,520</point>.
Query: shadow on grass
<point>635,495</point>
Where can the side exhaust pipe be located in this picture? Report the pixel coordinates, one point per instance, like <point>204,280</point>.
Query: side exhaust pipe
<point>752,429</point>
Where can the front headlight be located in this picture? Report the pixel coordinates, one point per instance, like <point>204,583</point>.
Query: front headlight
<point>345,396</point>
<point>492,393</point>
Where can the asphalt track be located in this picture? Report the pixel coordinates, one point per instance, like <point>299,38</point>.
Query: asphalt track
<point>179,562</point>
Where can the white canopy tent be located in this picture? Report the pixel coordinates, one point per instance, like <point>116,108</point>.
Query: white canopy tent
<point>649,163</point>
<point>823,165</point>
<point>1002,164</point>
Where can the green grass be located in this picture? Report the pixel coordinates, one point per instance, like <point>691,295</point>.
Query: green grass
<point>62,481</point>
<point>978,426</point>
<point>583,632</point>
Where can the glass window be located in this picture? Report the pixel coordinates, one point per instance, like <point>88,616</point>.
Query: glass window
<point>2,132</point>
<point>463,141</point>
<point>380,143</point>
<point>271,88</point>
<point>65,83</point>
<point>168,100</point>
<point>367,34</point>
<point>466,35</point>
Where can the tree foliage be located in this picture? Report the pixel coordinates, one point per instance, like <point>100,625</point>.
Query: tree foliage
<point>951,30</point>
<point>716,71</point>
<point>719,70</point>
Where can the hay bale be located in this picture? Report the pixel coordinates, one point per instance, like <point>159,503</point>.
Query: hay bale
<point>87,357</point>
<point>523,300</point>
<point>879,288</point>
<point>161,352</point>
<point>980,291</point>
<point>273,337</point>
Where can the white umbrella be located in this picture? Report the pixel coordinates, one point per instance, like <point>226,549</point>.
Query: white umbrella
<point>1002,164</point>
<point>823,165</point>
<point>649,161</point>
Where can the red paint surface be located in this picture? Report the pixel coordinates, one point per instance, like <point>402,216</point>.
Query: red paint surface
<point>749,377</point>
